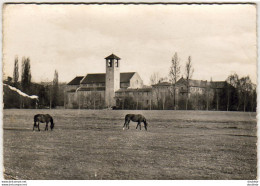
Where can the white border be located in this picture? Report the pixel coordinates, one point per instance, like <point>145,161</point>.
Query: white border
<point>130,183</point>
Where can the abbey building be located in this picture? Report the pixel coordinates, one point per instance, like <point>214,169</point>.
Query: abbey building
<point>127,91</point>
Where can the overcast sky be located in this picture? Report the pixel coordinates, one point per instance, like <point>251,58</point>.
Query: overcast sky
<point>75,39</point>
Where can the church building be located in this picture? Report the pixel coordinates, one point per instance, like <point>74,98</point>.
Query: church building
<point>127,91</point>
<point>95,91</point>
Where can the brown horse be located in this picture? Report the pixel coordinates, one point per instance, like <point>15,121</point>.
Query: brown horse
<point>135,118</point>
<point>43,118</point>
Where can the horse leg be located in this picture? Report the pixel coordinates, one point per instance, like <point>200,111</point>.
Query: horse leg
<point>38,126</point>
<point>46,126</point>
<point>125,124</point>
<point>128,124</point>
<point>145,126</point>
<point>138,124</point>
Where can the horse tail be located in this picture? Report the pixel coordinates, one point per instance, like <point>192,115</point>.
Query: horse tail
<point>52,123</point>
<point>35,118</point>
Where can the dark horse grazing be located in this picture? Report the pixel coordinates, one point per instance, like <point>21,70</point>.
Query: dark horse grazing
<point>136,118</point>
<point>43,118</point>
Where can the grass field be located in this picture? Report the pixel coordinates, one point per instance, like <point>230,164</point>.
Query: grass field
<point>87,144</point>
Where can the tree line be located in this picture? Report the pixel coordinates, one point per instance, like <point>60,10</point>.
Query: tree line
<point>50,93</point>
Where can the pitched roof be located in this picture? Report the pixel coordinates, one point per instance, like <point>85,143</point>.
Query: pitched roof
<point>218,84</point>
<point>192,82</point>
<point>162,84</point>
<point>94,78</point>
<point>126,76</point>
<point>76,80</point>
<point>203,84</point>
<point>198,83</point>
<point>112,56</point>
<point>101,78</point>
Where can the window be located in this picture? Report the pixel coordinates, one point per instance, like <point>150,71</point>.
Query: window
<point>116,61</point>
<point>109,64</point>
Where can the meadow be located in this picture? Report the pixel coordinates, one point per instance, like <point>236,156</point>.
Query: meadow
<point>90,144</point>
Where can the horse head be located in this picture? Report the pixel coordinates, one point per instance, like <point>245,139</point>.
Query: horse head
<point>52,124</point>
<point>145,122</point>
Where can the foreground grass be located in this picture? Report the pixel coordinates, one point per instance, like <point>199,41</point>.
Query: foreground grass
<point>92,145</point>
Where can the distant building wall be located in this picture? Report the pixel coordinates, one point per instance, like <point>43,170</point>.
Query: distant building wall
<point>91,99</point>
<point>93,85</point>
<point>70,100</point>
<point>85,100</point>
<point>161,94</point>
<point>134,98</point>
<point>136,81</point>
<point>71,88</point>
<point>124,85</point>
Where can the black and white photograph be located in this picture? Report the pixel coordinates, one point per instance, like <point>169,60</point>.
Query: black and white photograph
<point>129,91</point>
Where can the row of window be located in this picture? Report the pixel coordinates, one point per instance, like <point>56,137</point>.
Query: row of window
<point>122,85</point>
<point>193,88</point>
<point>110,63</point>
<point>133,93</point>
<point>96,85</point>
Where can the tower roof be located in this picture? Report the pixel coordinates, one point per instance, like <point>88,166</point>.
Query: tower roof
<point>112,56</point>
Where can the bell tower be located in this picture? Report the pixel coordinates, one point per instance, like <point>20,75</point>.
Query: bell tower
<point>112,79</point>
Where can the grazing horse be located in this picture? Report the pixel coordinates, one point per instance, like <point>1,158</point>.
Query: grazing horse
<point>43,118</point>
<point>135,118</point>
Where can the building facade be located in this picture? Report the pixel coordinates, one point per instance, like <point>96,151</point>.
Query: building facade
<point>96,91</point>
<point>127,91</point>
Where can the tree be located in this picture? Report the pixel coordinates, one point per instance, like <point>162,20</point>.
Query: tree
<point>156,93</point>
<point>253,98</point>
<point>174,75</point>
<point>43,96</point>
<point>246,89</point>
<point>241,94</point>
<point>26,75</point>
<point>55,90</point>
<point>155,78</point>
<point>16,73</point>
<point>188,74</point>
<point>25,80</point>
<point>233,81</point>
